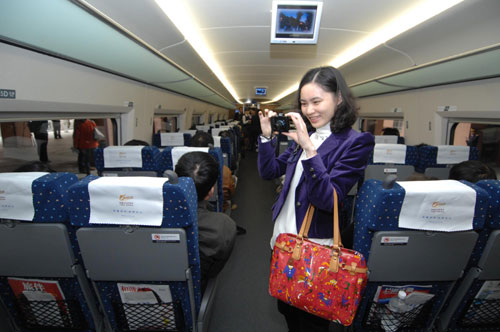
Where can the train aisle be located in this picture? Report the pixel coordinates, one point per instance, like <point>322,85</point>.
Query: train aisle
<point>242,302</point>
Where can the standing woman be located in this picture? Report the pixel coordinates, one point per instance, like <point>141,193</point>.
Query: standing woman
<point>333,156</point>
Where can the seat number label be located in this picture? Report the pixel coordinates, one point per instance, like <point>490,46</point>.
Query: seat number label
<point>165,238</point>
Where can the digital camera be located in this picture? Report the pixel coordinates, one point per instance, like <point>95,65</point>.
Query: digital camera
<point>280,123</point>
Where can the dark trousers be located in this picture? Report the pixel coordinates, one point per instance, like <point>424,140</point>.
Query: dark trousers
<point>84,159</point>
<point>300,321</point>
<point>57,130</point>
<point>42,140</point>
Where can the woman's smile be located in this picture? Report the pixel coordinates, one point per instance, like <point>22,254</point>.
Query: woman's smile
<point>317,104</point>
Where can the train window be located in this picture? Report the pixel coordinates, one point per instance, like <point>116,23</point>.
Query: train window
<point>165,124</point>
<point>375,126</point>
<point>485,137</point>
<point>46,145</point>
<point>196,120</point>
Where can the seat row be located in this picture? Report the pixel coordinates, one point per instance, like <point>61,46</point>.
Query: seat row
<point>230,146</point>
<point>150,161</point>
<point>403,160</point>
<point>437,239</point>
<point>101,254</point>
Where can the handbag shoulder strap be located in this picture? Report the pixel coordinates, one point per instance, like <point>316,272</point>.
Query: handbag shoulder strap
<point>306,223</point>
<point>337,243</point>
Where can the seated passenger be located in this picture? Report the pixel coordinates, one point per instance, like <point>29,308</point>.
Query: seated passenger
<point>216,231</point>
<point>136,142</point>
<point>390,131</point>
<point>472,171</point>
<point>203,139</point>
<point>394,132</point>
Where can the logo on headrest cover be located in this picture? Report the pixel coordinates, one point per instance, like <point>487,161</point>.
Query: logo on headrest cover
<point>124,200</point>
<point>438,207</point>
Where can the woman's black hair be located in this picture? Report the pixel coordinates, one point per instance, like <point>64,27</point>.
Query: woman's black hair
<point>390,131</point>
<point>136,142</point>
<point>330,79</point>
<point>472,171</point>
<point>202,139</point>
<point>202,168</point>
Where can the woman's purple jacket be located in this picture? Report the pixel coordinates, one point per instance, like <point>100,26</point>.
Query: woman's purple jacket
<point>340,163</point>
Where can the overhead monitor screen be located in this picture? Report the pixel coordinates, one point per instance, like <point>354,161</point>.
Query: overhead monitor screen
<point>260,91</point>
<point>295,22</point>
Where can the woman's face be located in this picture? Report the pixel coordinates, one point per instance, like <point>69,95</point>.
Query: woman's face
<point>317,104</point>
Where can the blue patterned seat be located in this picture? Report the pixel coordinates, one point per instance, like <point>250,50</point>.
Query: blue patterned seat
<point>157,140</point>
<point>379,171</point>
<point>44,250</point>
<point>283,144</point>
<point>435,259</point>
<point>227,149</point>
<point>166,163</point>
<point>130,254</point>
<point>427,158</point>
<point>150,159</point>
<point>410,159</point>
<point>466,310</point>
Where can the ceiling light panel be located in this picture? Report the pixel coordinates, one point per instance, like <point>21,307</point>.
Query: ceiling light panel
<point>182,18</point>
<point>399,23</point>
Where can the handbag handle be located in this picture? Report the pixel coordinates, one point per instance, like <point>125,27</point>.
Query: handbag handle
<point>306,223</point>
<point>337,243</point>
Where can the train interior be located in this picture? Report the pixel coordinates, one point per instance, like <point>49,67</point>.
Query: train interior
<point>425,75</point>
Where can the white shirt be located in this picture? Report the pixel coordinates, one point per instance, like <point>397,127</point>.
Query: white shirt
<point>285,222</point>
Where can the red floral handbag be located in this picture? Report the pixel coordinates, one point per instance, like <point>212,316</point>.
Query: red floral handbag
<point>322,280</point>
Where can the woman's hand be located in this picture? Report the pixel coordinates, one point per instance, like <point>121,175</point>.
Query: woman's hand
<point>265,122</point>
<point>301,136</point>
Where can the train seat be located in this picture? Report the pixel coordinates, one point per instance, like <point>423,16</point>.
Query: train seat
<point>115,160</point>
<point>169,156</point>
<point>475,305</point>
<point>401,256</point>
<point>224,143</point>
<point>205,128</point>
<point>229,147</point>
<point>42,282</point>
<point>284,143</point>
<point>135,246</point>
<point>172,139</point>
<point>436,161</point>
<point>389,139</point>
<point>386,159</point>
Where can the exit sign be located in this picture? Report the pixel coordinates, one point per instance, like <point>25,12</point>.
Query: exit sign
<point>7,94</point>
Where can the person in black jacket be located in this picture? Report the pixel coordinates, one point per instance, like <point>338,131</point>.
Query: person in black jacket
<point>216,231</point>
<point>40,130</point>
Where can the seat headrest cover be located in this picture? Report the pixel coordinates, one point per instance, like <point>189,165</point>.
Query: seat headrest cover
<point>445,205</point>
<point>126,201</point>
<point>216,141</point>
<point>171,139</point>
<point>38,196</point>
<point>179,151</point>
<point>123,156</point>
<point>386,139</point>
<point>452,154</point>
<point>16,196</point>
<point>179,202</point>
<point>389,153</point>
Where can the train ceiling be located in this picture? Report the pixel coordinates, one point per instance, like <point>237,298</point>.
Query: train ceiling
<point>136,39</point>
